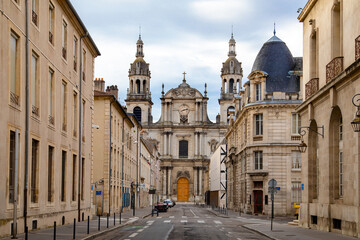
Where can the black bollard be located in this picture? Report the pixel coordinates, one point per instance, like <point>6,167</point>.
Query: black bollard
<point>120,216</point>
<point>74,228</point>
<point>114,219</point>
<point>107,221</point>
<point>26,233</point>
<point>88,225</point>
<point>55,230</point>
<point>99,223</point>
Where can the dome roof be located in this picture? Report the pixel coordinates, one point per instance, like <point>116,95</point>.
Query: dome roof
<point>231,66</point>
<point>276,60</point>
<point>139,67</point>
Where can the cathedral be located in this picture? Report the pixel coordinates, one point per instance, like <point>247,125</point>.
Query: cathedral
<point>185,136</point>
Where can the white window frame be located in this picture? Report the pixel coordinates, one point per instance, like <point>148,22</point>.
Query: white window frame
<point>296,160</point>
<point>295,192</point>
<point>295,123</point>
<point>258,92</point>
<point>258,121</point>
<point>258,160</point>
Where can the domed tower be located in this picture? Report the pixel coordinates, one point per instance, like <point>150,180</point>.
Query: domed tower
<point>231,76</point>
<point>138,99</point>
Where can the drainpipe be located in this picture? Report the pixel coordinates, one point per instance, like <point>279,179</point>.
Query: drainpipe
<point>110,156</point>
<point>16,183</point>
<point>122,166</point>
<point>80,124</point>
<point>27,96</point>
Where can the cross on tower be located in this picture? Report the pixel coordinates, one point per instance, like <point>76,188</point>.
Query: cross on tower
<point>184,76</point>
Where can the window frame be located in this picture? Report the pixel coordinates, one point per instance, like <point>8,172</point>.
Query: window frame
<point>295,117</point>
<point>258,92</point>
<point>182,150</point>
<point>258,160</point>
<point>258,122</point>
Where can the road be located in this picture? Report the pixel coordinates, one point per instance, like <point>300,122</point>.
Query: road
<point>184,222</point>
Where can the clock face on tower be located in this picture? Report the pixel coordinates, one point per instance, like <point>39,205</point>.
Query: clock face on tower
<point>184,112</point>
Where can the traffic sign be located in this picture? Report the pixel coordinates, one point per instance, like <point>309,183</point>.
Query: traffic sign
<point>272,183</point>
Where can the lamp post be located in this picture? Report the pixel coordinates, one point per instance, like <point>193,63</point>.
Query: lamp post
<point>356,121</point>
<point>302,146</point>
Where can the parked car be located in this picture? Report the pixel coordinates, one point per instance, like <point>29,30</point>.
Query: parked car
<point>161,207</point>
<point>169,203</point>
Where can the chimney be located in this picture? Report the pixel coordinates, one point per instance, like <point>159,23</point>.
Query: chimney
<point>99,84</point>
<point>112,90</point>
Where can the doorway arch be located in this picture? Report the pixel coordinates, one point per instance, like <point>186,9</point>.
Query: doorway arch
<point>183,189</point>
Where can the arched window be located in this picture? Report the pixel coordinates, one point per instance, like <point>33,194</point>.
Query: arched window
<point>231,85</point>
<point>137,113</point>
<point>230,110</point>
<point>336,153</point>
<point>313,167</point>
<point>144,86</point>
<point>183,149</point>
<point>225,86</point>
<point>138,86</point>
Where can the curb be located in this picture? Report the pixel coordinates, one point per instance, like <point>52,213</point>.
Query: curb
<point>112,229</point>
<point>217,214</point>
<point>261,233</point>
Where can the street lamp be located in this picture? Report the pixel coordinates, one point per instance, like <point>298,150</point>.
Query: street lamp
<point>356,122</point>
<point>303,146</point>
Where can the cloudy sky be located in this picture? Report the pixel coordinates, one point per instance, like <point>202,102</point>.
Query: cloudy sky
<point>185,35</point>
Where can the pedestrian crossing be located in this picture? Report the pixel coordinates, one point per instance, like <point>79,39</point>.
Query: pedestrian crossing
<point>172,219</point>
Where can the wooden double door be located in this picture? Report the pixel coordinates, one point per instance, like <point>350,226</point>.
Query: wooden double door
<point>258,201</point>
<point>183,189</point>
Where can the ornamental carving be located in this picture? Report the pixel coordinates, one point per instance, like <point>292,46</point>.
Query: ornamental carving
<point>311,87</point>
<point>184,92</point>
<point>183,174</point>
<point>334,67</point>
<point>357,48</point>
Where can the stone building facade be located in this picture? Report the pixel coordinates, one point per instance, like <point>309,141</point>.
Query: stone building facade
<point>185,136</point>
<point>262,138</point>
<point>41,129</point>
<point>330,171</point>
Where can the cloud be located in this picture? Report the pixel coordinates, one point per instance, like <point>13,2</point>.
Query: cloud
<point>220,10</point>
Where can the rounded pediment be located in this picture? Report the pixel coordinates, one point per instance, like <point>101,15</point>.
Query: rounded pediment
<point>183,91</point>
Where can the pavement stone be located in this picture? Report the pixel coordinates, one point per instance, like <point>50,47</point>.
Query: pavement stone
<point>66,231</point>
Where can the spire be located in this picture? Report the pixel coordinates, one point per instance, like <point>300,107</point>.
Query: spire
<point>232,44</point>
<point>274,29</point>
<point>139,46</point>
<point>184,80</point>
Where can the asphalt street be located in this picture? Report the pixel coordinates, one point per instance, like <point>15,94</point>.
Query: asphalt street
<point>184,222</point>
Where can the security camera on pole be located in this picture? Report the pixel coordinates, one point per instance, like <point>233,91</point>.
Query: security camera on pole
<point>272,190</point>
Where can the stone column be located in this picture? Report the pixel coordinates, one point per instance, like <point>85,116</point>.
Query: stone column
<point>204,111</point>
<point>201,143</point>
<point>163,111</point>
<point>200,181</point>
<point>223,85</point>
<point>227,86</point>
<point>196,143</point>
<point>170,112</point>
<point>164,143</point>
<point>169,186</point>
<point>195,181</point>
<point>196,111</point>
<point>164,181</point>
<point>170,136</point>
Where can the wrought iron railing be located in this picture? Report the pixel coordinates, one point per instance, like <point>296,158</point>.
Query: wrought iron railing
<point>14,98</point>
<point>357,48</point>
<point>64,52</point>
<point>51,120</point>
<point>311,87</point>
<point>334,67</point>
<point>34,18</point>
<point>50,37</point>
<point>35,110</point>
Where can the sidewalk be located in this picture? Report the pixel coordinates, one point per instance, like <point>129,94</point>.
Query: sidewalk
<point>66,231</point>
<point>281,230</point>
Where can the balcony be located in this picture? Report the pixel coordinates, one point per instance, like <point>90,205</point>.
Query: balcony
<point>357,48</point>
<point>34,18</point>
<point>51,37</point>
<point>35,110</point>
<point>64,52</point>
<point>334,67</point>
<point>311,87</point>
<point>83,76</point>
<point>14,98</point>
<point>51,120</point>
<point>75,65</point>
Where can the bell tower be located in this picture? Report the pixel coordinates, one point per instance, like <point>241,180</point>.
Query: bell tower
<point>138,100</point>
<point>231,76</point>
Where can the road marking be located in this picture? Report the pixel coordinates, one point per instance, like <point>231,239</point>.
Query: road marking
<point>201,221</point>
<point>167,221</point>
<point>196,217</point>
<point>184,216</point>
<point>158,217</point>
<point>171,217</point>
<point>140,230</point>
<point>217,222</point>
<point>183,221</point>
<point>146,226</point>
<point>133,235</point>
<point>193,212</point>
<point>238,238</point>
<point>150,222</point>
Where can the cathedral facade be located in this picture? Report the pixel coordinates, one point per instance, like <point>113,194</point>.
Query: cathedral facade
<point>184,134</point>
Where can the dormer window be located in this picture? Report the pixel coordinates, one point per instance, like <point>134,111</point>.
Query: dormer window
<point>258,92</point>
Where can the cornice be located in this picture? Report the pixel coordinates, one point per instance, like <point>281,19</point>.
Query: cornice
<point>306,10</point>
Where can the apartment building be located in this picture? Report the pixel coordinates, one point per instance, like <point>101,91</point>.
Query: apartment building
<point>46,71</point>
<point>330,169</point>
